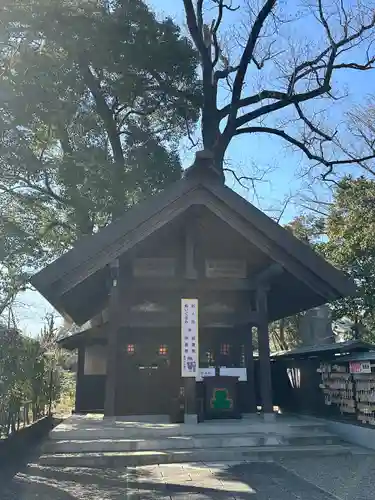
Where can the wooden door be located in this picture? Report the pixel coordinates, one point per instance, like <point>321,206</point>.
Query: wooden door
<point>145,382</point>
<point>222,347</point>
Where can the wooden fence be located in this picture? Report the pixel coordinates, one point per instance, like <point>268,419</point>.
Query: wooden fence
<point>15,418</point>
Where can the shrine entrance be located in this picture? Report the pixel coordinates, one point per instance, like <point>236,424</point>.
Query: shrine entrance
<point>229,351</point>
<point>146,373</point>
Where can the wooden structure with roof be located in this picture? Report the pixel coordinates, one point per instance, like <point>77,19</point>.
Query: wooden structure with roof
<point>197,239</point>
<point>298,384</point>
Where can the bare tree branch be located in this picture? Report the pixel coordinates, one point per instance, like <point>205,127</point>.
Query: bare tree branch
<point>268,108</point>
<point>352,65</point>
<point>241,178</point>
<point>193,143</point>
<point>303,147</point>
<point>254,99</point>
<point>195,32</point>
<point>281,211</point>
<point>305,77</point>
<point>268,55</point>
<point>200,15</point>
<point>245,60</point>
<point>306,64</point>
<point>224,73</point>
<point>324,22</point>
<point>345,23</point>
<point>311,125</point>
<point>214,28</point>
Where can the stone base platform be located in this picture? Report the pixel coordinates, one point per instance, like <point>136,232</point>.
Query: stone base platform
<point>94,441</point>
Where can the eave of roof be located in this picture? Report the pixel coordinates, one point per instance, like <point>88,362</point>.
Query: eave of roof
<point>86,336</point>
<point>343,347</point>
<point>358,356</point>
<point>99,249</point>
<point>89,247</point>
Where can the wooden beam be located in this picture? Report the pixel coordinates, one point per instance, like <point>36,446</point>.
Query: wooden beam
<point>228,284</point>
<point>190,246</point>
<point>203,284</point>
<point>264,353</point>
<point>266,276</point>
<point>112,347</point>
<point>158,320</point>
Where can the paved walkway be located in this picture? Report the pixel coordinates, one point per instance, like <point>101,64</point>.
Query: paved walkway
<point>330,478</point>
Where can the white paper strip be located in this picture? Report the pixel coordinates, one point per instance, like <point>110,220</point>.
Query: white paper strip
<point>241,373</point>
<point>189,338</point>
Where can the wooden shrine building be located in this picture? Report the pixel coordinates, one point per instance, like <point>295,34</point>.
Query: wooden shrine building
<point>198,239</point>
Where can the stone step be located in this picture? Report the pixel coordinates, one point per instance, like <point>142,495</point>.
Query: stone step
<point>250,454</point>
<point>131,430</point>
<point>190,442</point>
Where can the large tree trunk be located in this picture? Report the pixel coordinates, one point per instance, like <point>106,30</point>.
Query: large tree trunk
<point>113,136</point>
<point>213,141</point>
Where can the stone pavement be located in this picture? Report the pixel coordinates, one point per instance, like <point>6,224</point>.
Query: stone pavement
<point>198,481</point>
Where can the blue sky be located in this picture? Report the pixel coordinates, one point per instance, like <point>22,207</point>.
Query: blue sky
<point>268,152</point>
<point>248,154</point>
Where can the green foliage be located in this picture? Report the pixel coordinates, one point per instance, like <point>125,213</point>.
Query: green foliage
<point>285,333</point>
<point>33,371</point>
<point>66,400</point>
<point>350,228</point>
<point>346,238</point>
<point>23,371</point>
<point>22,247</point>
<point>307,228</point>
<point>94,99</point>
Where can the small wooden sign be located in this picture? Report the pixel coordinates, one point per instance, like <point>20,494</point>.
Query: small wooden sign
<point>228,268</point>
<point>154,267</point>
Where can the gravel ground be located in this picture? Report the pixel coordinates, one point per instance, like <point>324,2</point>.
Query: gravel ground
<point>345,477</point>
<point>241,481</point>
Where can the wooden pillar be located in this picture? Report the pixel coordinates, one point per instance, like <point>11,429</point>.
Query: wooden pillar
<point>79,380</point>
<point>190,273</point>
<point>190,400</point>
<point>250,370</point>
<point>264,354</point>
<point>112,347</point>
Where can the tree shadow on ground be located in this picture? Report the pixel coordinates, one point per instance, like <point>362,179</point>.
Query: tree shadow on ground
<point>136,483</point>
<point>241,481</point>
<point>273,479</point>
<point>24,488</point>
<point>16,459</point>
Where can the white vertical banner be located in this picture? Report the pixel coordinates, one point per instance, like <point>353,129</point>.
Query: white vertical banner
<point>189,338</point>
